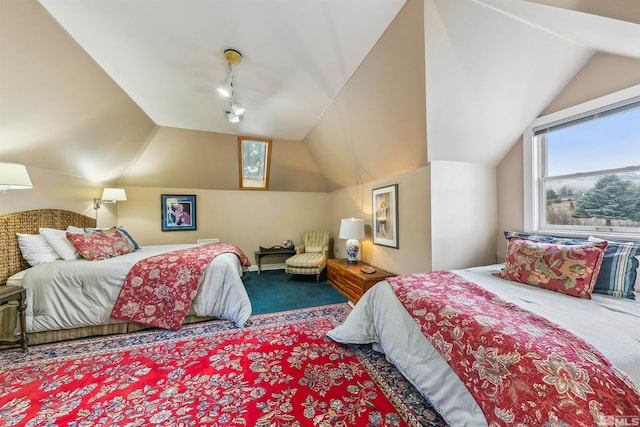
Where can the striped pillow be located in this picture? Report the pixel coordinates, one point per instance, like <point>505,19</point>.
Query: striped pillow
<point>619,269</point>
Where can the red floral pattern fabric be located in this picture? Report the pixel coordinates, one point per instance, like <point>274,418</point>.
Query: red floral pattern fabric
<point>100,244</point>
<point>568,269</point>
<point>280,371</point>
<point>521,368</point>
<point>158,290</point>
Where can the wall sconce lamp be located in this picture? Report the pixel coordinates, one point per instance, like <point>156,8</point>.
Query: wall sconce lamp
<point>14,176</point>
<point>110,195</point>
<point>352,229</point>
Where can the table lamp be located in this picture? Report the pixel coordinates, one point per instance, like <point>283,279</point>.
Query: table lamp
<point>352,229</point>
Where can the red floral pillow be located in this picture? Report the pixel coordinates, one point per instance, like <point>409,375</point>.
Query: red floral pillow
<point>568,269</point>
<point>100,244</point>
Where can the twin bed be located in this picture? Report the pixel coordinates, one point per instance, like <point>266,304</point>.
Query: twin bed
<point>455,337</point>
<point>74,298</point>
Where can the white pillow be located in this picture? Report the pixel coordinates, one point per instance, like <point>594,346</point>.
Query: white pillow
<point>73,229</point>
<point>57,239</point>
<point>35,250</point>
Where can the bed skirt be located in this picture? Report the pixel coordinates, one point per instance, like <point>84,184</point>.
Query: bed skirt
<point>9,317</point>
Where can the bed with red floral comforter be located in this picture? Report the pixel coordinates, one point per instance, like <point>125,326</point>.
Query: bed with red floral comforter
<point>65,295</point>
<point>528,356</point>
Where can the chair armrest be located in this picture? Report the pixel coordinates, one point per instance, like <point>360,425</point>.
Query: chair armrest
<point>325,251</point>
<point>299,249</point>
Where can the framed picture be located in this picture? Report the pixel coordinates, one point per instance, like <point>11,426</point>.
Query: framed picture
<point>385,216</point>
<point>178,212</point>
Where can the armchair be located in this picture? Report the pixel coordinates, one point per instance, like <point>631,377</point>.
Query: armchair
<point>311,256</point>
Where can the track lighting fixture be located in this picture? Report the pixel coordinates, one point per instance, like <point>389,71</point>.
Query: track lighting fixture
<point>224,88</point>
<point>227,88</point>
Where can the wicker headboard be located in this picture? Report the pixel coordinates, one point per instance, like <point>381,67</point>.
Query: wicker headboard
<point>28,222</point>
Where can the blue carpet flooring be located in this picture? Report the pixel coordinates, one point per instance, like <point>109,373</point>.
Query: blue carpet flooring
<point>269,292</point>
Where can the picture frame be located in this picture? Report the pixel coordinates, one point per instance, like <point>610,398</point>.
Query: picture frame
<point>384,202</point>
<point>178,212</point>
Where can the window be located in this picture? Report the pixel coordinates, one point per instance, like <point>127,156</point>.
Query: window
<point>254,156</point>
<point>585,169</point>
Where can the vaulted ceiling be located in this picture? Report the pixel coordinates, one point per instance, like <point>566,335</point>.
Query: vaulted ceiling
<point>102,88</point>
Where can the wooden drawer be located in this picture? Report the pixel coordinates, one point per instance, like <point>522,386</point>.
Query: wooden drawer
<point>350,281</point>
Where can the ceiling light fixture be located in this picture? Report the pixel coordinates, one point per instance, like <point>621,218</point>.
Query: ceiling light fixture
<point>227,87</point>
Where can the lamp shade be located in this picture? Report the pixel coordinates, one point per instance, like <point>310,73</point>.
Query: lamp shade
<point>237,108</point>
<point>14,176</point>
<point>114,194</point>
<point>225,87</point>
<point>351,228</point>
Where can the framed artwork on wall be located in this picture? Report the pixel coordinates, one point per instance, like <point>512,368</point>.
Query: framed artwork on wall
<point>178,212</point>
<point>385,216</point>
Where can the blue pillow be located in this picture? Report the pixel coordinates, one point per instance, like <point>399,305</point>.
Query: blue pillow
<point>618,271</point>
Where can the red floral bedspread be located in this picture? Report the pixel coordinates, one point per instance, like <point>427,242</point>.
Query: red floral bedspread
<point>519,367</point>
<point>158,290</point>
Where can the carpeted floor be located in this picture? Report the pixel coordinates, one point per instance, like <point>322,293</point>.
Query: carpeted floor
<point>279,370</point>
<point>269,292</point>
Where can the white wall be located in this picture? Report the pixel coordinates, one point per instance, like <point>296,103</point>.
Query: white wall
<point>463,214</point>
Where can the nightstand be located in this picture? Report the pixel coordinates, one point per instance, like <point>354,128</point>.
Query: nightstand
<point>16,293</point>
<point>350,281</point>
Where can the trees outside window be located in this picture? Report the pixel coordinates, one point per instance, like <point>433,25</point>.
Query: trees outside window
<point>588,171</point>
<point>254,158</point>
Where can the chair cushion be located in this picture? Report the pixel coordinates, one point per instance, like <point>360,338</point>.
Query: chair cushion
<point>306,260</point>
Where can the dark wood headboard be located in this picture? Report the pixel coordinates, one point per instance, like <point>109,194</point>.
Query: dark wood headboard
<point>28,222</point>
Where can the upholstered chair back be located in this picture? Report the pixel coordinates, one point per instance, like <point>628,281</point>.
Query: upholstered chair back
<point>315,241</point>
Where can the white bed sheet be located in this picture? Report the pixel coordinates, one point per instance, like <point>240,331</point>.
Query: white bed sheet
<point>16,279</point>
<point>611,325</point>
<point>71,294</point>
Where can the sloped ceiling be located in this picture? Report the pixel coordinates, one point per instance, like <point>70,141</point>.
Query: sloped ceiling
<point>88,84</point>
<point>58,111</point>
<point>493,65</point>
<point>168,55</point>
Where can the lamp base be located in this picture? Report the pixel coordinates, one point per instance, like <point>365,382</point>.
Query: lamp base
<point>352,247</point>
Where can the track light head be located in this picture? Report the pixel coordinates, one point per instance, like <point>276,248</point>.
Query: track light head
<point>237,108</point>
<point>233,117</point>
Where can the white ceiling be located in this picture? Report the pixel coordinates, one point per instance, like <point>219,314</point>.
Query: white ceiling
<point>167,55</point>
<point>493,65</point>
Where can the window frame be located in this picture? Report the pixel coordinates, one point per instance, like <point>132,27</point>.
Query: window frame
<point>246,183</point>
<point>533,164</point>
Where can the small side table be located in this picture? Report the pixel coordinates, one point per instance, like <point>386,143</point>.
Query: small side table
<point>16,293</point>
<point>264,252</point>
<point>350,280</point>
